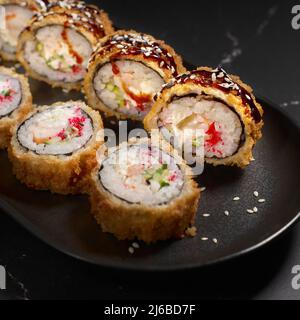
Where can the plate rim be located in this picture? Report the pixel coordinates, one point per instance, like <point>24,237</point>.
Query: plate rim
<point>27,225</point>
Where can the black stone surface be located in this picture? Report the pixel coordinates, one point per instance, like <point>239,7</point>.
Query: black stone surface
<point>254,40</point>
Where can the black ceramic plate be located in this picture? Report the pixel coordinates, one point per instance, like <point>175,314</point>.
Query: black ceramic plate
<point>65,223</point>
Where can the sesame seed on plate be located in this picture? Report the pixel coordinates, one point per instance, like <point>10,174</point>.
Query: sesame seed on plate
<point>206,215</point>
<point>215,241</point>
<point>131,250</point>
<point>135,245</point>
<point>256,194</point>
<point>227,213</point>
<point>250,211</point>
<point>255,209</point>
<point>204,239</point>
<point>203,189</point>
<point>236,199</point>
<point>262,200</point>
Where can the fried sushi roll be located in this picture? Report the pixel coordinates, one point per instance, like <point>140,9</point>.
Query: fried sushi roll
<point>15,102</point>
<point>15,15</point>
<point>222,106</point>
<point>126,71</point>
<point>141,191</point>
<point>56,47</point>
<point>54,148</point>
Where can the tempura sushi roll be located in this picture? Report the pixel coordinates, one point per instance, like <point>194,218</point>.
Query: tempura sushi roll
<point>15,102</point>
<point>56,47</point>
<point>54,148</point>
<point>141,191</point>
<point>126,71</point>
<point>220,105</point>
<point>15,15</point>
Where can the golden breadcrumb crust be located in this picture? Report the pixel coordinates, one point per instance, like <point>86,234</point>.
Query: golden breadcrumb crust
<point>101,57</point>
<point>145,223</point>
<point>8,122</point>
<point>252,130</point>
<point>58,174</point>
<point>33,5</point>
<point>59,16</point>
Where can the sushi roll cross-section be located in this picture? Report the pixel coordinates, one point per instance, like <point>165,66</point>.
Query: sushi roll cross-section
<point>54,148</point>
<point>16,17</point>
<point>219,105</point>
<point>15,102</point>
<point>57,46</point>
<point>142,191</point>
<point>126,72</point>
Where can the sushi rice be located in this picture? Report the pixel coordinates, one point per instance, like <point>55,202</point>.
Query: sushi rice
<point>15,102</point>
<point>14,17</point>
<point>10,94</point>
<point>221,125</point>
<point>58,53</point>
<point>54,147</point>
<point>129,91</point>
<point>142,175</point>
<point>143,190</point>
<point>56,131</point>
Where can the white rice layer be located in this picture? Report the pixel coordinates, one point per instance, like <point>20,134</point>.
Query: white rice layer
<point>220,126</point>
<point>128,87</point>
<point>56,131</point>
<point>16,19</point>
<point>58,53</point>
<point>10,94</point>
<point>142,175</point>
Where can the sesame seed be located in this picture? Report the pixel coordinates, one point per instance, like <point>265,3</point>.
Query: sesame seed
<point>256,194</point>
<point>135,245</point>
<point>255,209</point>
<point>206,215</point>
<point>215,241</point>
<point>131,250</point>
<point>203,189</point>
<point>236,199</point>
<point>204,239</point>
<point>262,200</point>
<point>227,213</point>
<point>250,211</point>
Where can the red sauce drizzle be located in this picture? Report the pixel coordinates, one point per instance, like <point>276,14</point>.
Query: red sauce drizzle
<point>115,69</point>
<point>75,54</point>
<point>141,99</point>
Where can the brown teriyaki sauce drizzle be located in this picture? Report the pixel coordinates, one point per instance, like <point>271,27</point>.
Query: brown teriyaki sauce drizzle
<point>135,44</point>
<point>79,14</point>
<point>220,80</point>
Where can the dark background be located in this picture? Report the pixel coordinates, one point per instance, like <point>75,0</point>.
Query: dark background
<point>252,39</point>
